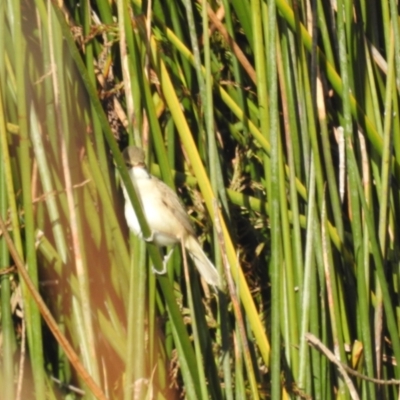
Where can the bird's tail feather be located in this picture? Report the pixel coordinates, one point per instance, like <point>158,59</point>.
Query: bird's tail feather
<point>203,264</point>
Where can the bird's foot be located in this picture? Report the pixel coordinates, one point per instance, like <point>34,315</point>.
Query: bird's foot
<point>150,238</point>
<point>165,262</point>
<point>159,272</point>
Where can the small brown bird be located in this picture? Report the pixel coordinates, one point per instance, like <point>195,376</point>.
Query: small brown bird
<point>165,215</point>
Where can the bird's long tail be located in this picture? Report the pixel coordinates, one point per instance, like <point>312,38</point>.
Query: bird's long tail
<point>203,264</point>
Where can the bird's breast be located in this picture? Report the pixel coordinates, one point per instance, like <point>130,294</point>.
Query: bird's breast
<point>162,220</point>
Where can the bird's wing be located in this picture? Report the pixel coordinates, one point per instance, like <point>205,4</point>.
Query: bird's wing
<point>171,200</point>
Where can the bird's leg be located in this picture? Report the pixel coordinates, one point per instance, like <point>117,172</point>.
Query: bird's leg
<point>168,256</point>
<point>165,262</point>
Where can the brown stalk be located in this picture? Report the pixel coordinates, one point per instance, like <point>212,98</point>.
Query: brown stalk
<point>51,322</point>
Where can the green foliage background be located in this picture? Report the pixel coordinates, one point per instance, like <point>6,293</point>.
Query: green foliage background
<point>277,123</point>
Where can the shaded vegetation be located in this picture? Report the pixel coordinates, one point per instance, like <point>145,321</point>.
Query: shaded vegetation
<point>277,124</point>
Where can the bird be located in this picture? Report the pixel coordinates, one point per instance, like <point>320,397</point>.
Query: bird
<point>166,216</point>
